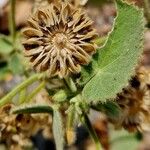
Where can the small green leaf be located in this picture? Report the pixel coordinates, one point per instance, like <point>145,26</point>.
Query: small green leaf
<point>122,140</point>
<point>114,64</point>
<point>32,108</point>
<point>5,45</point>
<point>58,131</point>
<point>111,109</point>
<point>60,96</point>
<point>15,64</point>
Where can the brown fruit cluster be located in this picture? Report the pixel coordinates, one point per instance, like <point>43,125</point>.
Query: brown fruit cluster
<point>59,39</point>
<point>135,103</point>
<point>16,129</point>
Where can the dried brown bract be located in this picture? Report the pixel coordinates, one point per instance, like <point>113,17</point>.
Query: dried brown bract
<point>16,130</point>
<point>135,103</point>
<point>59,38</point>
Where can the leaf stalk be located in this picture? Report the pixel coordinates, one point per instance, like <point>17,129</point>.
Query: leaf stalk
<point>12,23</point>
<point>6,99</point>
<point>85,120</point>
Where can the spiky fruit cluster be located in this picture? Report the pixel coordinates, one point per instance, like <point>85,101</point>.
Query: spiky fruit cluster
<point>59,39</point>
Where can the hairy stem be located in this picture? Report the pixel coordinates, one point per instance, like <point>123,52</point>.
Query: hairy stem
<point>70,125</point>
<point>87,123</point>
<point>71,84</point>
<point>22,96</point>
<point>12,24</point>
<point>6,99</point>
<point>36,91</point>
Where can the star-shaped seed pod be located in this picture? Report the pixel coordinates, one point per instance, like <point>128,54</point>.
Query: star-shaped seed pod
<point>59,39</point>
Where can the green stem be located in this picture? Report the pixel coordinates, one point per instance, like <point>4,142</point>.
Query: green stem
<point>87,123</point>
<point>6,99</point>
<point>22,96</point>
<point>71,117</point>
<point>12,23</point>
<point>147,9</point>
<point>71,84</point>
<point>37,90</point>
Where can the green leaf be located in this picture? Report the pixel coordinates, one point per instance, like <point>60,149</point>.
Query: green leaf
<point>114,64</point>
<point>15,64</point>
<point>32,108</point>
<point>122,140</point>
<point>60,96</point>
<point>58,131</point>
<point>5,45</point>
<point>111,109</point>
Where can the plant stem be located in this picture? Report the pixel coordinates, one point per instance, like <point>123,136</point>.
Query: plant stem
<point>6,99</point>
<point>147,9</point>
<point>71,117</point>
<point>37,90</point>
<point>22,96</point>
<point>87,123</point>
<point>71,84</point>
<point>12,23</point>
<point>70,135</point>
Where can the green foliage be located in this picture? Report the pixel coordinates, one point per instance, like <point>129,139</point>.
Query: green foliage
<point>60,96</point>
<point>111,109</point>
<point>32,108</point>
<point>5,45</point>
<point>58,131</point>
<point>114,63</point>
<point>15,64</point>
<point>122,140</point>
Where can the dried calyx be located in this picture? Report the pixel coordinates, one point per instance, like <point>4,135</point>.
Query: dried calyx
<point>59,38</point>
<point>16,129</point>
<point>135,103</point>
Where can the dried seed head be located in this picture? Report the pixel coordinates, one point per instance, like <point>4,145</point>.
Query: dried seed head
<point>59,38</point>
<point>135,103</point>
<point>16,129</point>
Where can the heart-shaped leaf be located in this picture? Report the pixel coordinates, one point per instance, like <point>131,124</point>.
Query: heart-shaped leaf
<point>114,64</point>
